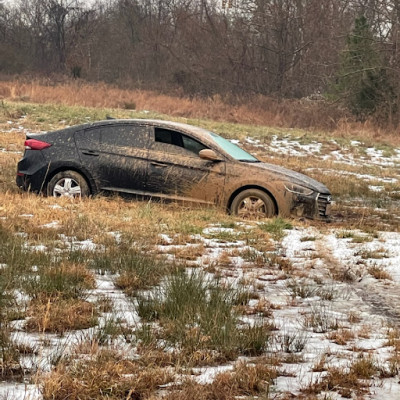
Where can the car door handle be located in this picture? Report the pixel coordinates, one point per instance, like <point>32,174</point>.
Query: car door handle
<point>90,152</point>
<point>156,164</point>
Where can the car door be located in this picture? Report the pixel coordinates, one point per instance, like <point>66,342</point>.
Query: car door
<point>116,155</point>
<point>176,170</point>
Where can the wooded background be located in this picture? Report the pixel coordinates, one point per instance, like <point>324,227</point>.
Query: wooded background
<point>343,51</point>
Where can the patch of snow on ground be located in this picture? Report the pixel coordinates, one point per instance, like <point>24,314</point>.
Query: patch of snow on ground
<point>364,177</point>
<point>338,156</point>
<point>374,188</point>
<point>55,206</point>
<point>293,147</point>
<point>207,374</point>
<point>383,251</point>
<point>3,150</point>
<point>377,157</point>
<point>51,225</point>
<point>20,391</point>
<point>74,244</point>
<point>123,309</point>
<point>39,247</point>
<point>117,236</point>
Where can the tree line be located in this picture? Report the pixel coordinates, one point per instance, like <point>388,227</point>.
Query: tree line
<point>346,51</point>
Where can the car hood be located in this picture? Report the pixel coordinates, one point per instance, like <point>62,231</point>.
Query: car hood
<point>284,174</point>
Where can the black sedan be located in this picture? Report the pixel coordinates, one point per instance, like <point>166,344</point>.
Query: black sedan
<point>166,160</point>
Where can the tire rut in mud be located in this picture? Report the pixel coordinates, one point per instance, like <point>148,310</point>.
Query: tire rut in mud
<point>382,298</point>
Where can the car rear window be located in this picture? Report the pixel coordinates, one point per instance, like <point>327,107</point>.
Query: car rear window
<point>125,135</point>
<point>118,135</point>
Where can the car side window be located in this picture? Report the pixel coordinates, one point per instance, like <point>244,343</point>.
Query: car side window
<point>167,136</point>
<point>192,145</point>
<point>175,142</point>
<point>125,136</point>
<point>88,138</point>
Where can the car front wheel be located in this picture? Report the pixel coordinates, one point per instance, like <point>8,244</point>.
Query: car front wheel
<point>68,184</point>
<point>253,204</point>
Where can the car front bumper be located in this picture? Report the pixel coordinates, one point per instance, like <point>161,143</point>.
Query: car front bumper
<point>315,206</point>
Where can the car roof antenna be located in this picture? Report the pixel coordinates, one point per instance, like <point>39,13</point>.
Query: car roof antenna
<point>109,117</point>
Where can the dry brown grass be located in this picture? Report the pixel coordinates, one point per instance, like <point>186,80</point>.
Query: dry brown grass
<point>245,380</point>
<point>320,364</point>
<point>393,337</point>
<point>379,273</point>
<point>139,271</point>
<point>364,368</point>
<point>341,336</point>
<point>60,315</point>
<point>189,253</point>
<point>224,259</point>
<point>86,218</point>
<point>259,110</point>
<point>12,142</point>
<point>340,381</point>
<point>150,354</point>
<point>10,366</point>
<point>349,382</point>
<point>264,308</point>
<point>59,282</point>
<point>8,162</point>
<point>106,375</point>
<point>354,317</point>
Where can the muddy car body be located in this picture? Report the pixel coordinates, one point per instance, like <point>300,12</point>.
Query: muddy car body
<point>166,160</point>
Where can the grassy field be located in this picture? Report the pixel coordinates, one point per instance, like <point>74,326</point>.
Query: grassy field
<point>115,299</point>
<point>254,110</point>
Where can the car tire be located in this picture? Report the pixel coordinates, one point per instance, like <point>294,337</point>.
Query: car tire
<point>253,204</point>
<point>68,184</point>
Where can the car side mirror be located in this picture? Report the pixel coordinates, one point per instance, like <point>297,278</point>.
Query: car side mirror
<point>208,154</point>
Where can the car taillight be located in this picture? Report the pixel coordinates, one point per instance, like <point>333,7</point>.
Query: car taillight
<point>34,144</point>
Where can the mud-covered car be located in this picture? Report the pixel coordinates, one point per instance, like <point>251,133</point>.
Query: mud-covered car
<point>166,160</point>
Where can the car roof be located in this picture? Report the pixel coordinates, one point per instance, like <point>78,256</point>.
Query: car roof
<point>195,131</point>
<point>202,135</point>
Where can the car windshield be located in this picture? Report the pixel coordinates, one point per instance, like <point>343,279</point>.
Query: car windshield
<point>234,151</point>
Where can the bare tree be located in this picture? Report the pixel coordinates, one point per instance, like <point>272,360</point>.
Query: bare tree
<point>283,48</point>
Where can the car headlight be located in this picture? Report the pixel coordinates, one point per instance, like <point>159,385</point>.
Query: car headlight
<point>298,189</point>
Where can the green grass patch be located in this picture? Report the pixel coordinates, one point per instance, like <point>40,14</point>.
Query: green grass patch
<point>135,270</point>
<point>54,116</point>
<point>66,281</point>
<point>17,258</point>
<point>198,314</point>
<point>276,227</point>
